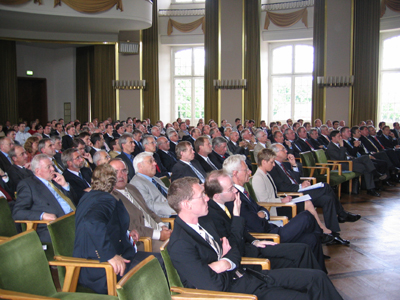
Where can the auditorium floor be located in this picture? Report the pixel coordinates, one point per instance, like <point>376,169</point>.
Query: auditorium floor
<point>369,268</point>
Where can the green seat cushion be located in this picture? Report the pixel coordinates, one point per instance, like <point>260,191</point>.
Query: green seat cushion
<point>82,296</point>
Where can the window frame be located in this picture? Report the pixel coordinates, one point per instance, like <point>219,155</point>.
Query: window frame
<point>271,47</point>
<point>174,113</point>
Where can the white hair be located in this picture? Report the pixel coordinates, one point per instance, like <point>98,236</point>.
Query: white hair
<point>139,159</point>
<point>233,163</point>
<point>36,161</point>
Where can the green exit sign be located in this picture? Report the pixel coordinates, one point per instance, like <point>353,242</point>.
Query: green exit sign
<point>29,73</point>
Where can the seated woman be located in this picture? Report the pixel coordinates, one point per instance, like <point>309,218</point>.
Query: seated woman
<point>31,147</point>
<point>265,189</point>
<point>101,232</point>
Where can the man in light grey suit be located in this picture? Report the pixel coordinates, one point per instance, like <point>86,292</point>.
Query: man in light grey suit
<point>142,219</point>
<point>152,188</point>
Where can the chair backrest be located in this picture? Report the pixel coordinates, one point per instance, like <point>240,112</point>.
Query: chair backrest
<point>23,265</point>
<point>62,233</point>
<point>146,281</point>
<point>321,157</point>
<point>252,158</point>
<point>308,160</point>
<point>166,181</point>
<point>172,273</point>
<point>249,188</point>
<point>7,225</point>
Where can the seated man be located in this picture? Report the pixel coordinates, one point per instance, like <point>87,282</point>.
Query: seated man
<point>101,158</point>
<point>127,146</point>
<point>149,144</point>
<point>263,142</point>
<point>219,152</point>
<point>101,232</point>
<point>152,189</point>
<point>45,196</point>
<point>20,169</point>
<point>205,260</point>
<point>301,229</point>
<point>168,159</point>
<point>219,188</point>
<point>203,149</point>
<point>142,219</point>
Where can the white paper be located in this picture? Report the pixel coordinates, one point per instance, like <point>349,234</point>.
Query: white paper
<point>311,187</point>
<point>300,199</point>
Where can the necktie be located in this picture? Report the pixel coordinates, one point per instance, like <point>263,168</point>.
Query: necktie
<point>80,175</point>
<point>273,184</point>
<point>210,240</point>
<point>61,194</point>
<point>211,164</point>
<point>228,213</point>
<point>309,145</point>
<point>288,175</point>
<point>377,150</point>
<point>158,168</point>
<point>9,158</point>
<point>58,168</point>
<point>378,142</point>
<point>198,174</point>
<point>159,187</point>
<point>170,155</point>
<point>247,194</point>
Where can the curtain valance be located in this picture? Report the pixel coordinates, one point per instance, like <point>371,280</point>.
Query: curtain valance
<point>286,20</point>
<point>186,27</point>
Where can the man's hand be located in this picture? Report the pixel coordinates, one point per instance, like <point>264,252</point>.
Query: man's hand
<point>305,184</point>
<point>292,160</point>
<point>134,235</point>
<point>340,141</point>
<point>27,166</point>
<point>220,266</point>
<point>261,214</point>
<point>60,179</point>
<point>371,157</point>
<point>88,157</point>
<point>357,143</point>
<point>236,205</point>
<point>225,246</point>
<point>48,217</point>
<point>119,264</point>
<point>262,244</point>
<point>243,144</point>
<point>165,234</point>
<point>286,199</point>
<point>288,143</point>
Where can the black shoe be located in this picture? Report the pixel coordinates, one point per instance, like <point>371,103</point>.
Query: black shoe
<point>388,183</point>
<point>372,192</point>
<point>327,257</point>
<point>338,241</point>
<point>327,238</point>
<point>349,217</point>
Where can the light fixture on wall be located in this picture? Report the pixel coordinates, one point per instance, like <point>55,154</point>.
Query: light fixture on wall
<point>129,84</point>
<point>335,81</point>
<point>230,84</point>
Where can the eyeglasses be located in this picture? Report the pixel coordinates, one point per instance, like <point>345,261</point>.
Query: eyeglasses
<point>123,171</point>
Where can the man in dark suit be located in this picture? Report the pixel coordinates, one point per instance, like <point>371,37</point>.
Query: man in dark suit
<point>291,145</point>
<point>204,260</point>
<point>76,175</point>
<point>46,132</point>
<point>119,130</point>
<point>127,148</point>
<point>302,140</point>
<point>194,135</point>
<point>219,153</point>
<point>301,229</point>
<point>219,188</point>
<point>396,130</point>
<point>167,157</point>
<point>362,164</point>
<point>149,145</point>
<point>286,176</point>
<point>174,140</point>
<point>187,165</point>
<point>98,143</point>
<point>203,149</point>
<point>6,144</point>
<point>68,138</point>
<point>20,169</point>
<point>234,145</point>
<point>313,140</point>
<point>45,196</point>
<point>108,135</point>
<point>137,138</point>
<point>388,139</point>
<point>324,138</point>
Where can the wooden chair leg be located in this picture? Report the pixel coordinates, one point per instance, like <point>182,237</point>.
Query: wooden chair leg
<point>339,191</point>
<point>350,186</point>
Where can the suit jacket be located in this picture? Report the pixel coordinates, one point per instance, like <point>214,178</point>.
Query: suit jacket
<point>282,181</point>
<point>153,197</point>
<point>168,161</point>
<point>163,171</point>
<point>108,138</point>
<point>315,143</point>
<point>182,169</point>
<point>336,153</point>
<point>323,140</point>
<point>5,164</point>
<point>207,168</point>
<point>136,215</point>
<point>172,147</point>
<point>259,148</point>
<point>78,184</point>
<point>371,144</point>
<point>33,199</point>
<point>265,190</point>
<point>235,149</point>
<point>138,149</point>
<point>66,142</point>
<point>387,142</point>
<point>217,160</point>
<point>101,224</point>
<point>45,136</point>
<point>17,174</point>
<point>191,254</point>
<point>396,133</point>
<point>129,165</point>
<point>302,145</point>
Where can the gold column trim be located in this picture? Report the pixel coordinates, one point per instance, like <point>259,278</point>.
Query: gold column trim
<point>141,73</point>
<point>351,98</point>
<point>243,53</point>
<point>219,60</point>
<point>117,78</point>
<point>325,59</point>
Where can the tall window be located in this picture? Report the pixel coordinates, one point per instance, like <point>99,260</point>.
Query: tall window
<point>389,89</point>
<point>188,83</point>
<point>290,80</point>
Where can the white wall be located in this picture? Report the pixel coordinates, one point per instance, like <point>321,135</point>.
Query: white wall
<point>58,67</point>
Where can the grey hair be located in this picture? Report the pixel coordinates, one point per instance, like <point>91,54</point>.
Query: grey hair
<point>160,139</point>
<point>275,147</point>
<point>217,141</point>
<point>122,139</point>
<point>233,163</point>
<point>139,159</point>
<point>146,139</point>
<point>313,129</point>
<point>258,132</point>
<point>36,161</point>
<point>11,153</point>
<point>54,138</point>
<point>97,156</point>
<point>66,156</point>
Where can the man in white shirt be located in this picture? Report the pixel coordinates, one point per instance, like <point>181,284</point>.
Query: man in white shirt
<point>21,135</point>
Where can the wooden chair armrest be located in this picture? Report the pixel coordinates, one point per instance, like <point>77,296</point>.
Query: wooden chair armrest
<point>326,164</point>
<point>267,236</point>
<point>284,219</point>
<point>32,224</point>
<point>312,179</point>
<point>73,268</point>
<point>171,221</point>
<point>147,243</point>
<point>268,205</point>
<point>75,259</point>
<point>6,294</point>
<point>211,294</point>
<point>350,162</point>
<point>263,262</point>
<point>284,194</point>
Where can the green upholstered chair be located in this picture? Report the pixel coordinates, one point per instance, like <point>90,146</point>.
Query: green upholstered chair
<point>329,173</point>
<point>254,165</point>
<point>166,181</point>
<point>176,285</point>
<point>322,159</point>
<point>25,269</point>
